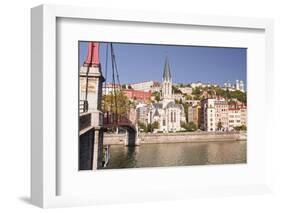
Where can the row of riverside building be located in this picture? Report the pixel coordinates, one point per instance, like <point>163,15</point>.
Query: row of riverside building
<point>218,114</point>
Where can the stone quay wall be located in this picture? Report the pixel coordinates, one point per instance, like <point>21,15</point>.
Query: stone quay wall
<point>146,138</point>
<point>112,138</point>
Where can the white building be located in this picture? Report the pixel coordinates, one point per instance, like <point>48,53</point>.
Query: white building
<point>142,113</point>
<point>234,118</point>
<point>244,116</point>
<point>215,116</point>
<point>203,85</point>
<point>196,84</point>
<point>208,116</point>
<point>109,88</point>
<point>222,117</point>
<point>146,86</point>
<point>167,113</point>
<point>238,86</point>
<point>241,86</point>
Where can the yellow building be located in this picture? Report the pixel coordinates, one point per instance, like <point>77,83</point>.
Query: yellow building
<point>194,114</point>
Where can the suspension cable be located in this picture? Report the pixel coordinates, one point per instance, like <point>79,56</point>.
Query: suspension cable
<point>114,84</point>
<point>87,73</point>
<point>105,82</point>
<point>116,68</point>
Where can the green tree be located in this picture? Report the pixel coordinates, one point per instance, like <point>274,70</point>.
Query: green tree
<point>155,125</point>
<point>196,91</point>
<point>211,92</point>
<point>142,126</point>
<point>156,95</point>
<point>176,90</point>
<point>188,97</point>
<point>220,92</point>
<point>241,128</point>
<point>240,96</point>
<point>198,97</point>
<point>189,127</point>
<point>119,104</point>
<point>149,127</point>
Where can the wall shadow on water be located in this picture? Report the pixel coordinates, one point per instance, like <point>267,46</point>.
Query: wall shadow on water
<point>131,156</point>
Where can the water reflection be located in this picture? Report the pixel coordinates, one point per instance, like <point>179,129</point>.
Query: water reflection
<point>177,154</point>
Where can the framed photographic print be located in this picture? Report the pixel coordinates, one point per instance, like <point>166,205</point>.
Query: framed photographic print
<point>148,105</point>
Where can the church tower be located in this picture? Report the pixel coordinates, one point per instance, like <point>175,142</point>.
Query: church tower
<point>91,139</point>
<point>167,95</point>
<point>91,79</point>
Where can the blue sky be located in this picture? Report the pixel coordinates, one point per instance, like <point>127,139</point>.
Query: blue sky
<point>143,62</point>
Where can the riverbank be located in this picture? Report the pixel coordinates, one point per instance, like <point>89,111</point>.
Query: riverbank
<point>178,137</point>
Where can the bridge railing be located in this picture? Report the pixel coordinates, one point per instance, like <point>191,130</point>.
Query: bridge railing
<point>115,119</point>
<point>83,106</point>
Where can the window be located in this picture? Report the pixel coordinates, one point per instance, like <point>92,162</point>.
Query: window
<point>164,122</point>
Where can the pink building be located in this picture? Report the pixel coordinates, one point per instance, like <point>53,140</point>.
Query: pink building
<point>221,110</point>
<point>237,115</point>
<point>137,95</point>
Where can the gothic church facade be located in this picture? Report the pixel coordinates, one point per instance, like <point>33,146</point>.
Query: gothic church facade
<point>166,112</point>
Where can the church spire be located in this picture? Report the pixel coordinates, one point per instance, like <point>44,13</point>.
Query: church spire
<point>167,84</point>
<point>167,74</point>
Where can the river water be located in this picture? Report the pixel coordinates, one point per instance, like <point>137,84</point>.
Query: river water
<point>177,154</point>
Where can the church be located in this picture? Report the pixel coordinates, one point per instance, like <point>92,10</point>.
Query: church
<point>166,112</point>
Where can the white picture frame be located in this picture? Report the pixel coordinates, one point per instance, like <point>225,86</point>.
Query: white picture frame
<point>45,178</point>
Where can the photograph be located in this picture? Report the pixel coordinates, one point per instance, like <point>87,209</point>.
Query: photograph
<point>160,105</point>
<point>141,107</point>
